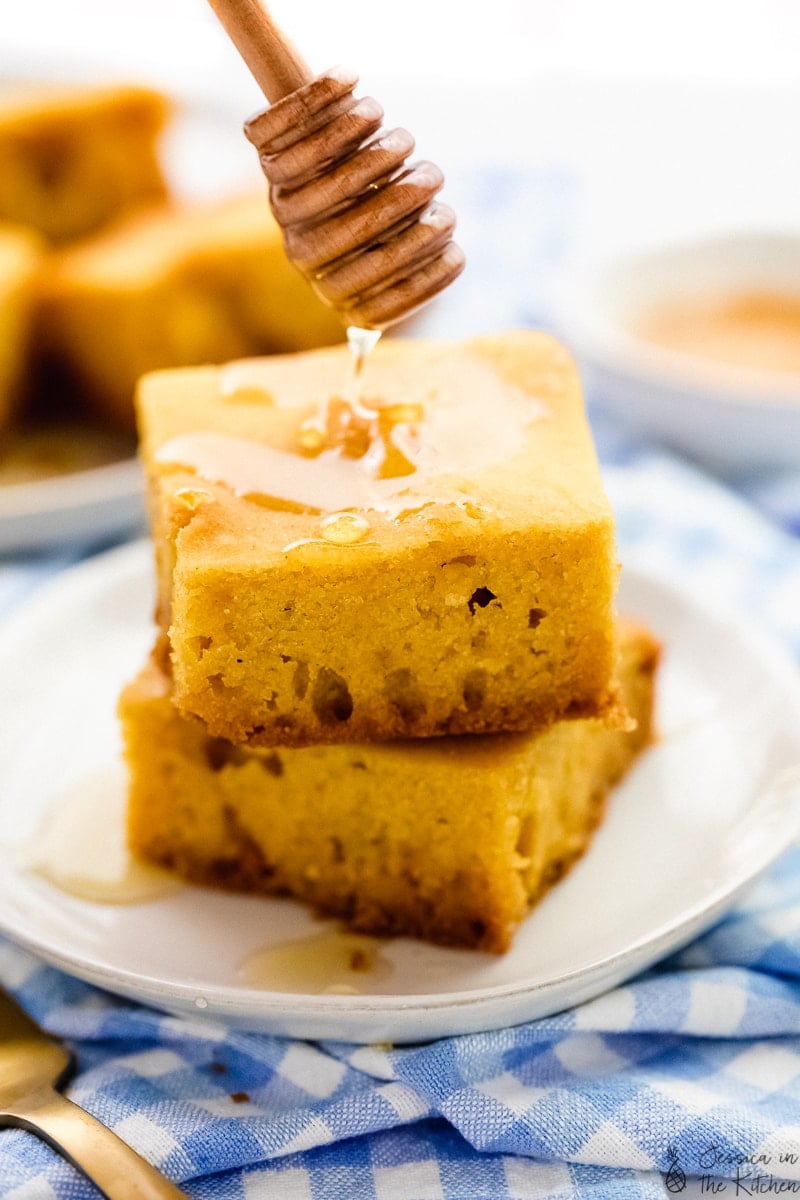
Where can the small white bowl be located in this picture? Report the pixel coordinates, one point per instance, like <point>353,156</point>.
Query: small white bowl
<point>729,418</point>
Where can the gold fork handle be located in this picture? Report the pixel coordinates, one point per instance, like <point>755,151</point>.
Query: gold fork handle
<point>104,1158</point>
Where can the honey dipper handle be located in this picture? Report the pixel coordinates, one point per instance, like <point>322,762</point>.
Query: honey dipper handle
<point>274,63</point>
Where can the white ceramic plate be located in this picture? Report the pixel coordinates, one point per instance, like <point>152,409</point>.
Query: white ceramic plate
<point>702,813</point>
<point>728,418</point>
<point>82,506</point>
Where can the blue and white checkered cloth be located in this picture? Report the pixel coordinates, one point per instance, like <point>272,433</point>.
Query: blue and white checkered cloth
<point>691,1070</point>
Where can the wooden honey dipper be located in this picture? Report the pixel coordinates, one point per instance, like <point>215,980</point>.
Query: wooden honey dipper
<point>361,224</point>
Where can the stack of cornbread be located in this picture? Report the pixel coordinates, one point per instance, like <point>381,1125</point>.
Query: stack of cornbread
<point>104,274</point>
<point>388,679</point>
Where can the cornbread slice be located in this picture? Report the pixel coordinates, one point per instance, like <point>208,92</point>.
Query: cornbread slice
<point>450,839</point>
<point>446,566</point>
<point>176,286</point>
<point>71,158</point>
<point>21,256</point>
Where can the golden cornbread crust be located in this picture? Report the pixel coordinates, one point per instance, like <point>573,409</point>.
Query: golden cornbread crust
<point>489,607</point>
<point>72,158</point>
<point>451,840</point>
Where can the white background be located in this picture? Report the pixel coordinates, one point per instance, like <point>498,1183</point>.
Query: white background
<point>677,117</point>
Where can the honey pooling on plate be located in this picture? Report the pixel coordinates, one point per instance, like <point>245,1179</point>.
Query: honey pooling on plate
<point>332,963</point>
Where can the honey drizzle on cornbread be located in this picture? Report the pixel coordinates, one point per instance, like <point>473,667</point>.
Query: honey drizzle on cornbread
<point>382,436</point>
<point>361,342</point>
<point>358,454</point>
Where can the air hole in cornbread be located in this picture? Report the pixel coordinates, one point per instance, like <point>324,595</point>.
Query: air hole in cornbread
<point>217,684</point>
<point>480,598</point>
<point>201,644</point>
<point>220,753</point>
<point>300,680</point>
<point>474,689</point>
<point>526,838</point>
<point>405,695</point>
<point>331,699</point>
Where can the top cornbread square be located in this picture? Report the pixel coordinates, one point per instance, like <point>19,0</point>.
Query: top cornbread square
<point>465,586</point>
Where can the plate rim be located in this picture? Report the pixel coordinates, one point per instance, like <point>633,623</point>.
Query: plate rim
<point>109,481</point>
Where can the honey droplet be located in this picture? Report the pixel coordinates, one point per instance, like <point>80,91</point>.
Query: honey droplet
<point>81,848</point>
<point>310,438</point>
<point>193,498</point>
<point>361,342</point>
<point>403,414</point>
<point>344,528</point>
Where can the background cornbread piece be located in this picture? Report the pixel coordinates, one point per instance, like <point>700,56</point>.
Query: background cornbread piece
<point>472,595</point>
<point>71,158</point>
<point>450,839</point>
<point>177,286</point>
<point>21,257</point>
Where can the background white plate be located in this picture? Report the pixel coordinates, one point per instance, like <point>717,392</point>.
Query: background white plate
<point>703,812</point>
<point>82,506</point>
<point>727,417</point>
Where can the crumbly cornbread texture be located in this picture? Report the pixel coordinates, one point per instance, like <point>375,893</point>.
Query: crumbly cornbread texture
<point>176,286</point>
<point>306,600</point>
<point>21,257</point>
<point>71,158</point>
<point>449,839</point>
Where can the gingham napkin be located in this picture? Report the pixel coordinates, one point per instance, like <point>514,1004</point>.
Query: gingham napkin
<point>690,1071</point>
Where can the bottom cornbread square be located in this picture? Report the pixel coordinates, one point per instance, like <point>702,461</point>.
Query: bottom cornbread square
<point>448,839</point>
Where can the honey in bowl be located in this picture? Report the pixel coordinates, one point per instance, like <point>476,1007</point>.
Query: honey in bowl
<point>749,329</point>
